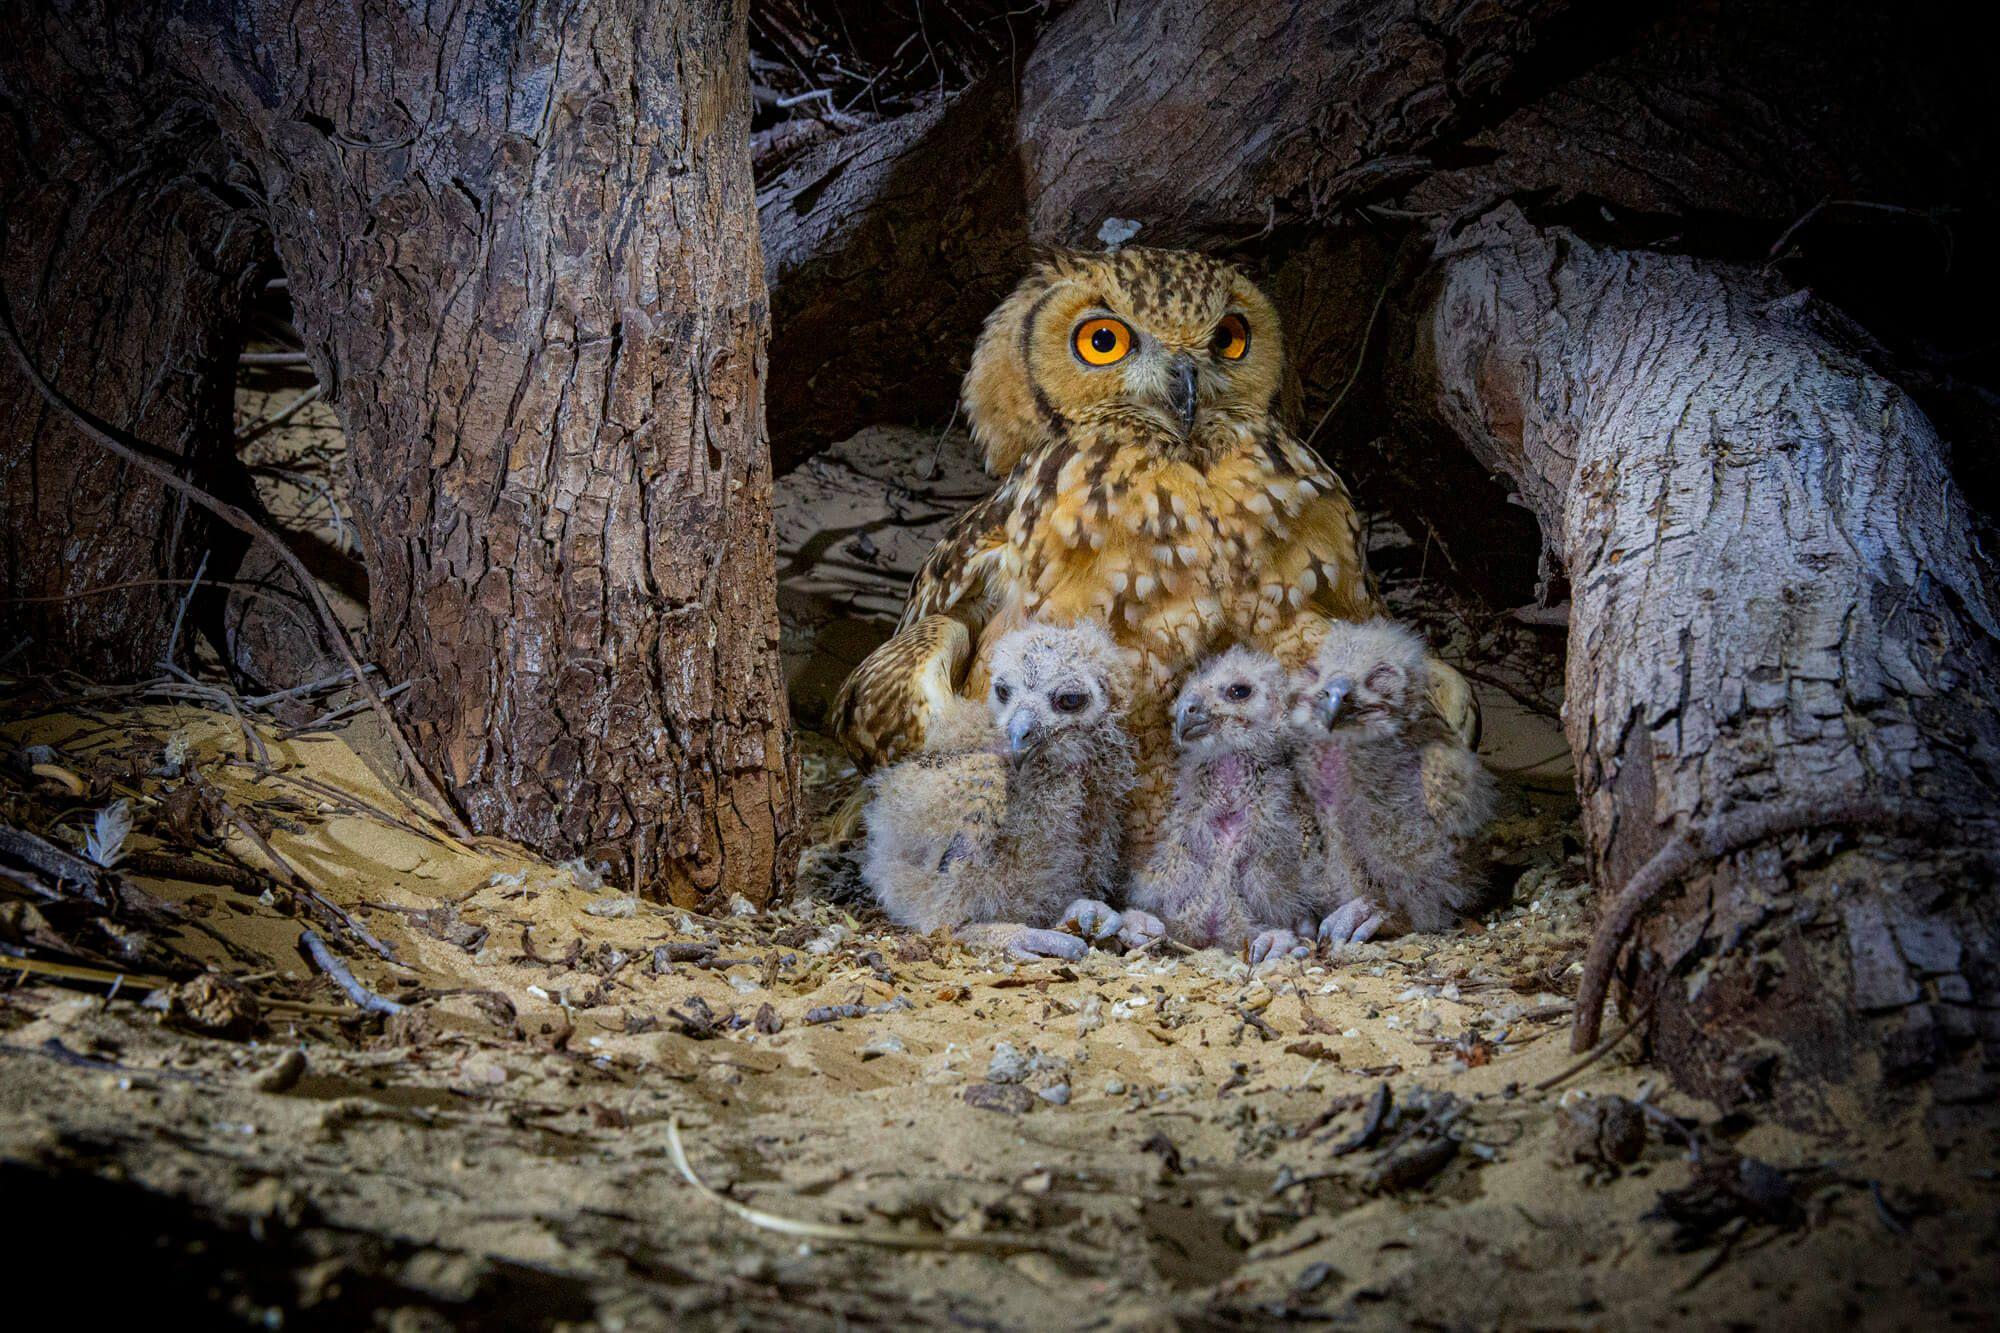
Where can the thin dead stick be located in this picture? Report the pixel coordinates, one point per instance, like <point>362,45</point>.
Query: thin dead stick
<point>337,972</point>
<point>336,714</point>
<point>1603,1050</point>
<point>310,687</point>
<point>253,744</point>
<point>258,592</point>
<point>1360,360</point>
<point>191,870</point>
<point>281,416</point>
<point>878,1236</point>
<point>274,359</point>
<point>299,883</point>
<point>38,967</point>
<point>326,791</point>
<point>139,456</point>
<point>194,586</point>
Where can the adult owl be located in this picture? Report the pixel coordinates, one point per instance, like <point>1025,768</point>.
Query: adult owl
<point>1128,401</point>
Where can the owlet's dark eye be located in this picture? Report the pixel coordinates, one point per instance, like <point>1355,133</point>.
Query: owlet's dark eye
<point>1232,338</point>
<point>1239,691</point>
<point>1001,693</point>
<point>1070,701</point>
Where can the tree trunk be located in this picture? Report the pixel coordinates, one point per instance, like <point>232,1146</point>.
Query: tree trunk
<point>524,258</point>
<point>523,255</point>
<point>1776,608</point>
<point>1207,122</point>
<point>128,268</point>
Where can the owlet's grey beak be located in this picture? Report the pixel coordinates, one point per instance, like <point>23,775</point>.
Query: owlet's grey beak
<point>1192,722</point>
<point>1181,392</point>
<point>1023,732</point>
<point>1328,704</point>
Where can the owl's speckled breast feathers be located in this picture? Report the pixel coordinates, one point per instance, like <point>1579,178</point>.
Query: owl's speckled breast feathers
<point>1128,401</point>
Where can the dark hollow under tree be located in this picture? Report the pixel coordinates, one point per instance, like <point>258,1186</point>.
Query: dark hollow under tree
<point>524,258</point>
<point>1781,665</point>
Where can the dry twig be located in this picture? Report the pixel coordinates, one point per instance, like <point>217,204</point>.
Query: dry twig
<point>337,972</point>
<point>828,1231</point>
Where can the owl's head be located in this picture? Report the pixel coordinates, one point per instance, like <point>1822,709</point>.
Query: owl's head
<point>1234,702</point>
<point>1054,683</point>
<point>1368,679</point>
<point>1167,340</point>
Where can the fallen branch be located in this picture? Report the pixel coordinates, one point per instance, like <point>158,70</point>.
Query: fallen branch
<point>299,883</point>
<point>51,860</point>
<point>1557,1080</point>
<point>281,416</point>
<point>324,959</point>
<point>140,456</point>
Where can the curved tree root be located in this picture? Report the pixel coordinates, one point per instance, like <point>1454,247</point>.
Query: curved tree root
<point>1732,831</point>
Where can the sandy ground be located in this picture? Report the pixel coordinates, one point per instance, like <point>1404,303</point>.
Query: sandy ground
<point>1382,1138</point>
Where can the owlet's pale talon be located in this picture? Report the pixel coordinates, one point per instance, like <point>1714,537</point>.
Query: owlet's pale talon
<point>1352,922</point>
<point>1140,928</point>
<point>1095,921</point>
<point>1267,945</point>
<point>1029,943</point>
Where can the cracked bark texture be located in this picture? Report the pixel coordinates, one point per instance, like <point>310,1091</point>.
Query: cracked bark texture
<point>1775,600</point>
<point>128,265</point>
<point>524,258</point>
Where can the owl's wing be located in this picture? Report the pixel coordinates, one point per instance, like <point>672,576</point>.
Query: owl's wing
<point>1458,791</point>
<point>960,575</point>
<point>894,699</point>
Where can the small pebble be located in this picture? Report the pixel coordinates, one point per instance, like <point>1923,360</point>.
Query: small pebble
<point>1008,1065</point>
<point>613,907</point>
<point>1056,1094</point>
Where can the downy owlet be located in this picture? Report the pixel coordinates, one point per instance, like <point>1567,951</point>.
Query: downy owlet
<point>1011,827</point>
<point>1226,868</point>
<point>1397,797</point>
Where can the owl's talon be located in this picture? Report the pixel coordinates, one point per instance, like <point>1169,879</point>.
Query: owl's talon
<point>1140,928</point>
<point>1352,923</point>
<point>1269,945</point>
<point>1095,921</point>
<point>1030,945</point>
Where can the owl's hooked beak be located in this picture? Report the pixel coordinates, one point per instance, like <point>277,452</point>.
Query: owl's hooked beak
<point>1192,722</point>
<point>1181,391</point>
<point>1024,733</point>
<point>1327,706</point>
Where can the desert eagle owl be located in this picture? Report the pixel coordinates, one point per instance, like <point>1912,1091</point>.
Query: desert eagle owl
<point>1128,401</point>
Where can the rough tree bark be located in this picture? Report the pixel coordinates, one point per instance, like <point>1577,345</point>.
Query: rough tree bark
<point>1209,122</point>
<point>128,264</point>
<point>523,254</point>
<point>1777,606</point>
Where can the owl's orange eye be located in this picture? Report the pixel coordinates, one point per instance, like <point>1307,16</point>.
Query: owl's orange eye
<point>1102,341</point>
<point>1232,338</point>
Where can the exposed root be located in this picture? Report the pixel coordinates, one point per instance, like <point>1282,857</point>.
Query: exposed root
<point>1733,831</point>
